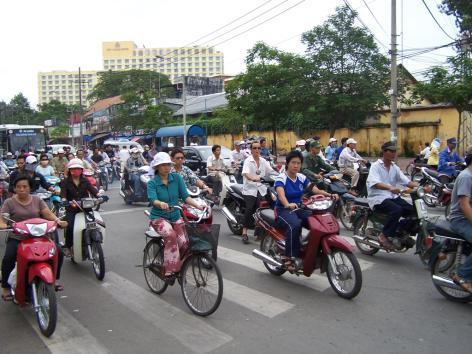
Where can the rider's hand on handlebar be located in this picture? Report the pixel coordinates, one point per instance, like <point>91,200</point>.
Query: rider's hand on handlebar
<point>292,206</point>
<point>395,190</point>
<point>256,179</point>
<point>62,223</point>
<point>164,206</point>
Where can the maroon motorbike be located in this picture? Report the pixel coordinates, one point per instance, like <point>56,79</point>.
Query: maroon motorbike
<point>322,248</point>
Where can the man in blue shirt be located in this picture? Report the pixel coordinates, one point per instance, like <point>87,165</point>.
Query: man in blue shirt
<point>341,148</point>
<point>448,158</point>
<point>265,153</point>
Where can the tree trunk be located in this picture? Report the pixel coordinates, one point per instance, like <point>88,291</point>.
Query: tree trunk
<point>332,130</point>
<point>274,133</point>
<point>459,130</point>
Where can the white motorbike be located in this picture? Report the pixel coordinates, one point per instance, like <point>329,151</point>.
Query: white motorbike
<point>89,234</point>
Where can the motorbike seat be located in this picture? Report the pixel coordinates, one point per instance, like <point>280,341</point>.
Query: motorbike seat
<point>443,228</point>
<point>268,216</point>
<point>432,173</point>
<point>237,188</point>
<point>361,202</point>
<point>450,186</point>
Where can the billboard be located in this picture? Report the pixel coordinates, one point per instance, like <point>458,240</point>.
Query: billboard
<point>200,86</point>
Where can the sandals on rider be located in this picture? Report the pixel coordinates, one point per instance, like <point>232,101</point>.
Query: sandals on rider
<point>385,243</point>
<point>67,252</point>
<point>288,263</point>
<point>464,284</point>
<point>59,287</point>
<point>7,297</point>
<point>245,239</point>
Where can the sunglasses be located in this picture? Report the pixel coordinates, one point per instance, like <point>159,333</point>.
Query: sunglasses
<point>256,148</point>
<point>44,160</point>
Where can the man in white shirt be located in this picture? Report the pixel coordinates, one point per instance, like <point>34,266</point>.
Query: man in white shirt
<point>348,157</point>
<point>215,164</point>
<point>123,155</point>
<point>426,151</point>
<point>383,192</point>
<point>253,190</point>
<point>237,158</point>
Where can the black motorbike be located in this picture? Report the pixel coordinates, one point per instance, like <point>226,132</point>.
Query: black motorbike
<point>127,192</point>
<point>235,207</point>
<point>362,183</point>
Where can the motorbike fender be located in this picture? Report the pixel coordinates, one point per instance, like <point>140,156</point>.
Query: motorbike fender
<point>42,271</point>
<point>358,215</point>
<point>336,242</point>
<point>79,227</point>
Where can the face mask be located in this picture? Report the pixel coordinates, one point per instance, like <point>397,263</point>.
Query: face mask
<point>135,156</point>
<point>76,172</point>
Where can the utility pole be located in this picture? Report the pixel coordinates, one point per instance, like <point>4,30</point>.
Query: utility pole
<point>184,102</point>
<point>81,139</point>
<point>393,88</point>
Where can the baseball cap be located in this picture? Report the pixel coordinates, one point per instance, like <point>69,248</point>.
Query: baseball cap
<point>332,140</point>
<point>389,145</point>
<point>9,154</point>
<point>60,151</point>
<point>315,143</point>
<point>301,142</point>
<point>452,141</point>
<point>134,150</point>
<point>351,141</point>
<point>75,163</point>
<point>31,160</point>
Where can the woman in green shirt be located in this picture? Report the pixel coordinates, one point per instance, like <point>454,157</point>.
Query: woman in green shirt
<point>164,191</point>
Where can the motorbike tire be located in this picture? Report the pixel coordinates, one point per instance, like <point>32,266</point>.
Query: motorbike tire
<point>104,183</point>
<point>47,312</point>
<point>344,215</point>
<point>416,176</point>
<point>98,260</point>
<point>236,229</point>
<point>451,294</point>
<point>111,177</point>
<point>268,246</point>
<point>365,249</point>
<point>153,263</point>
<point>447,211</point>
<point>356,269</point>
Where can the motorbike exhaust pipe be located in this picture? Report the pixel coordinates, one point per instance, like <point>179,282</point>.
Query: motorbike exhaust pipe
<point>441,281</point>
<point>229,215</point>
<point>266,258</point>
<point>369,242</point>
<point>122,194</point>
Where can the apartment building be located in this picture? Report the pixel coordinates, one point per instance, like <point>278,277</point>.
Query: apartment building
<point>171,61</point>
<point>64,86</point>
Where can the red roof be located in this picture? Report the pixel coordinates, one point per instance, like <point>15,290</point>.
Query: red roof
<point>104,104</point>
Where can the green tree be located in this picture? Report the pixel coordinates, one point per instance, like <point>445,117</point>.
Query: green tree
<point>348,77</point>
<point>114,83</point>
<point>452,84</point>
<point>462,11</point>
<point>55,110</point>
<point>20,110</point>
<point>266,91</point>
<point>60,132</point>
<point>155,117</point>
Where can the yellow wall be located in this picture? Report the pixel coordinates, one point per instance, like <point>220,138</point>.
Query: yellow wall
<point>422,126</point>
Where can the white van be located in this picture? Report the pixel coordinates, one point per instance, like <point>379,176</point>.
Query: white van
<point>122,143</point>
<point>54,147</point>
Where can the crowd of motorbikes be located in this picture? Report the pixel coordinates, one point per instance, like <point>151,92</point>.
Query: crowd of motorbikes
<point>322,247</point>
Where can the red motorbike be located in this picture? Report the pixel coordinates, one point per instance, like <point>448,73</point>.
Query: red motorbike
<point>321,248</point>
<point>35,272</point>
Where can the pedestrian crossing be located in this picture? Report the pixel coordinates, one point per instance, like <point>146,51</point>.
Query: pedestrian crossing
<point>194,333</point>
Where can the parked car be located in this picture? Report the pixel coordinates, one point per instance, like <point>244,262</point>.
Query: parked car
<point>54,147</point>
<point>196,157</point>
<point>122,143</point>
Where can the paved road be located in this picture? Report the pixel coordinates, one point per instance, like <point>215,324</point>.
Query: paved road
<point>398,309</point>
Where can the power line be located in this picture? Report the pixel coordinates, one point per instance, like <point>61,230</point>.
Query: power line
<point>375,18</point>
<point>434,18</point>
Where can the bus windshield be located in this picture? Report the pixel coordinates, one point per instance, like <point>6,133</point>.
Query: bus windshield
<point>27,140</point>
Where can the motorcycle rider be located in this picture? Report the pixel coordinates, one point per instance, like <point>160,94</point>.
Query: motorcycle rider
<point>44,168</point>
<point>131,175</point>
<point>190,178</point>
<point>22,206</point>
<point>74,187</point>
<point>346,162</point>
<point>265,152</point>
<point>28,166</point>
<point>383,193</point>
<point>81,156</point>
<point>215,164</point>
<point>290,187</point>
<point>146,153</point>
<point>96,156</point>
<point>300,145</point>
<point>109,151</point>
<point>9,160</point>
<point>461,218</point>
<point>330,150</point>
<point>254,168</point>
<point>448,158</point>
<point>59,162</point>
<point>340,149</point>
<point>313,165</point>
<point>237,160</point>
<point>164,191</point>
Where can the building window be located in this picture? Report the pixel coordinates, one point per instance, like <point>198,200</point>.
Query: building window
<point>106,67</point>
<point>140,53</point>
<point>126,60</point>
<point>133,60</point>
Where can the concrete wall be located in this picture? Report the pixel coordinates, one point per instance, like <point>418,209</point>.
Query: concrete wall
<point>416,126</point>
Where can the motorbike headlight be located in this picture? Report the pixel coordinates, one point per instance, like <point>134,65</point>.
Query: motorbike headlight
<point>37,229</point>
<point>88,203</point>
<point>320,205</point>
<point>420,192</point>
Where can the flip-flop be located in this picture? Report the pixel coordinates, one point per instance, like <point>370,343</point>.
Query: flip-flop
<point>245,239</point>
<point>8,297</point>
<point>59,287</point>
<point>461,282</point>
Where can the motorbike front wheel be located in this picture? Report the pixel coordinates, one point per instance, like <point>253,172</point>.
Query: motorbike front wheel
<point>346,279</point>
<point>98,260</point>
<point>362,231</point>
<point>236,229</point>
<point>344,214</point>
<point>269,247</point>
<point>111,176</point>
<point>104,182</point>
<point>47,311</point>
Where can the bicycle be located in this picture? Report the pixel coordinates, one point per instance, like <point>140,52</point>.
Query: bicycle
<point>199,277</point>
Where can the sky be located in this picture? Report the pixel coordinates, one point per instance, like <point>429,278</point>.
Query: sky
<point>63,35</point>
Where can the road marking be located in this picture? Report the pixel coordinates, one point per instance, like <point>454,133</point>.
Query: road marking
<point>186,328</point>
<point>70,336</point>
<point>120,211</point>
<point>254,300</point>
<point>315,281</point>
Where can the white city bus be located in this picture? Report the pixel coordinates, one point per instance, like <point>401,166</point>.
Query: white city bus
<point>14,138</point>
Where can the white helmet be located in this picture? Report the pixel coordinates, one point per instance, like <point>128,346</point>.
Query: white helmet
<point>31,160</point>
<point>134,150</point>
<point>160,158</point>
<point>75,163</point>
<point>351,141</point>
